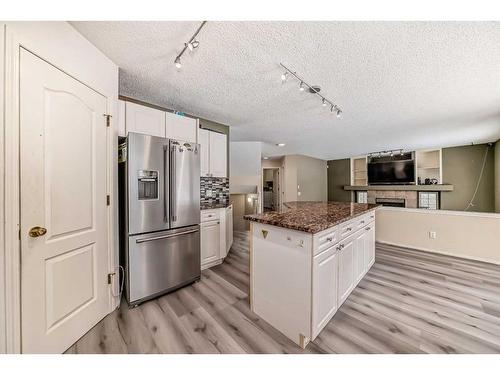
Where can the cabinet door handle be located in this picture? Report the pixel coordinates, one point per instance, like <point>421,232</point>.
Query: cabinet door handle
<point>348,229</point>
<point>362,221</point>
<point>329,239</point>
<point>368,228</point>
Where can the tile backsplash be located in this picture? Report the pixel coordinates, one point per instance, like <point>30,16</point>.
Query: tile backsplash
<point>214,190</point>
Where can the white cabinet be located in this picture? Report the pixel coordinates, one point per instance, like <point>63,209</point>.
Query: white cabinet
<point>346,269</point>
<point>181,127</point>
<point>218,155</point>
<point>229,227</point>
<point>216,235</point>
<point>145,120</point>
<point>360,253</point>
<point>299,280</point>
<point>325,279</point>
<point>370,246</point>
<point>204,141</point>
<point>210,242</point>
<point>213,153</point>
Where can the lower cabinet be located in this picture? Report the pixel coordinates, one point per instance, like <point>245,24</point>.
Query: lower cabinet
<point>325,280</point>
<point>210,242</point>
<point>360,254</point>
<point>346,269</point>
<point>369,246</point>
<point>216,235</point>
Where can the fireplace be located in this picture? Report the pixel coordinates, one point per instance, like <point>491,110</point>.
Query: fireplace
<point>392,202</point>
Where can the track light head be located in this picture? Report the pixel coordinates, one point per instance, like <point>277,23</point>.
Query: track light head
<point>177,62</point>
<point>324,102</point>
<point>284,76</point>
<point>301,87</point>
<point>339,112</point>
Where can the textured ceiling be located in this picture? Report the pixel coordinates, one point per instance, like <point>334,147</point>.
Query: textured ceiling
<point>400,84</point>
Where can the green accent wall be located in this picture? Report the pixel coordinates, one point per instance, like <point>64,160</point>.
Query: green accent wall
<point>339,174</point>
<point>461,168</point>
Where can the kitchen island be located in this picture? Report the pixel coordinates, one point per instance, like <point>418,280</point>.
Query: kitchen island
<point>305,260</point>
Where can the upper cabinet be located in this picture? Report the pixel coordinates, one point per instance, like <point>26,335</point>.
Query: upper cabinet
<point>181,127</point>
<point>138,118</point>
<point>145,120</point>
<point>218,155</point>
<point>213,153</point>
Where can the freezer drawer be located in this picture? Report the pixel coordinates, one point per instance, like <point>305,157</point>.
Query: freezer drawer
<point>162,261</point>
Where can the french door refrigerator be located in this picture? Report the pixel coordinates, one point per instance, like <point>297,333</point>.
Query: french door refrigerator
<point>160,215</point>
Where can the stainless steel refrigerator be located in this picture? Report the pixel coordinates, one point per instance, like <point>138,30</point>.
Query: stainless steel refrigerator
<point>160,215</point>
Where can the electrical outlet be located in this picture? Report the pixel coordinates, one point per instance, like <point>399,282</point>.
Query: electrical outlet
<point>432,235</point>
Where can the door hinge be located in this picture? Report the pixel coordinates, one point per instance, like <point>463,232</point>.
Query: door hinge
<point>108,200</point>
<point>110,277</point>
<point>108,120</point>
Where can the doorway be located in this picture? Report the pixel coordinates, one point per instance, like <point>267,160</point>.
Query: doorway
<point>271,189</point>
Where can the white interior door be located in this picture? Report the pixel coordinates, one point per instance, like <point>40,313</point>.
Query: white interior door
<point>63,134</point>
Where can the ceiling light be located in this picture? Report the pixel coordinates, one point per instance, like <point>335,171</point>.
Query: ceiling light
<point>178,64</point>
<point>192,44</point>
<point>315,90</point>
<point>280,144</point>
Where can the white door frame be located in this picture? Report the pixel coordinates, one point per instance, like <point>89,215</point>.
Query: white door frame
<point>12,250</point>
<point>280,183</point>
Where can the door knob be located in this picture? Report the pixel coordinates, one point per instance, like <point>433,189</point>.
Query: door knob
<point>37,231</point>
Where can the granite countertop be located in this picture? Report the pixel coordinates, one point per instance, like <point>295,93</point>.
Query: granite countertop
<point>312,217</point>
<point>214,205</point>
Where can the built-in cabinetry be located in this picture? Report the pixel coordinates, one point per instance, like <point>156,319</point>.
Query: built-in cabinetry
<point>213,153</point>
<point>133,117</point>
<point>216,235</point>
<point>299,280</point>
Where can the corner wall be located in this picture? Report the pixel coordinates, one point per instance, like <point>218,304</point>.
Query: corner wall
<point>461,168</point>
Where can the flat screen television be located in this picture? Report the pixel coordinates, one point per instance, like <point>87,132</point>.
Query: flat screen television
<point>391,171</point>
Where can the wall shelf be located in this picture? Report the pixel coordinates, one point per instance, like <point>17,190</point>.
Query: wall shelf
<point>438,187</point>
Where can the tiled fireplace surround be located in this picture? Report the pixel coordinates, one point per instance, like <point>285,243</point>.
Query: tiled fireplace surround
<point>410,197</point>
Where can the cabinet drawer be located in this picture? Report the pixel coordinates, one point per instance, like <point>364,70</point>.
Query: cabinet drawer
<point>347,228</point>
<point>209,215</point>
<point>326,239</point>
<point>361,221</point>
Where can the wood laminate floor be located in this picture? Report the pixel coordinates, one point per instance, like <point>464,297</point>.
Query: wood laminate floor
<point>409,302</point>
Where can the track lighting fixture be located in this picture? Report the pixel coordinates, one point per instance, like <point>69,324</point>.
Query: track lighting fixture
<point>312,89</point>
<point>391,153</point>
<point>178,64</point>
<point>192,44</point>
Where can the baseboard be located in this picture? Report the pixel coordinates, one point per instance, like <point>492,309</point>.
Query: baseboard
<point>478,259</point>
<point>211,264</point>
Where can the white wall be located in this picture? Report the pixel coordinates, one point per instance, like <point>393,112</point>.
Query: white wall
<point>245,164</point>
<point>61,45</point>
<point>462,234</point>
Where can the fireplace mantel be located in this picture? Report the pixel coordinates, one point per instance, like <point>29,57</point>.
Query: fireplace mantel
<point>436,187</point>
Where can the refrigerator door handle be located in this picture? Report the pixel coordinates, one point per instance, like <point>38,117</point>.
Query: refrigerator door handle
<point>165,184</point>
<point>173,179</point>
<point>141,240</point>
